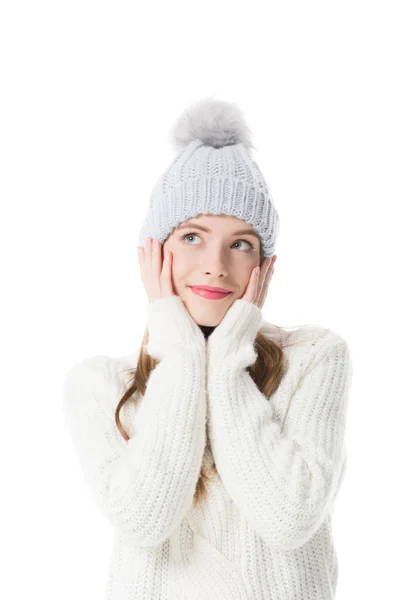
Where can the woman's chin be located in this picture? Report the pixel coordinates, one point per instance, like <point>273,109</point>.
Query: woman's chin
<point>204,313</point>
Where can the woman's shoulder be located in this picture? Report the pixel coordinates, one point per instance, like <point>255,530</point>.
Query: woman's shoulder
<point>102,369</point>
<point>94,385</point>
<point>304,345</point>
<point>301,335</point>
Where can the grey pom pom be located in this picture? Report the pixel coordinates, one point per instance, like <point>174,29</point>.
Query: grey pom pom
<point>213,122</point>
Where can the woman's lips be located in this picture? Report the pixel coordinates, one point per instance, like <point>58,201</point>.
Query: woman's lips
<point>208,294</point>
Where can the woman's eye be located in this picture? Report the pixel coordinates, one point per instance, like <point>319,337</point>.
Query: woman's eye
<point>246,242</point>
<point>187,235</point>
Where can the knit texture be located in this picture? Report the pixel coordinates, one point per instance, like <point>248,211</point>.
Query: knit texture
<point>264,531</point>
<point>213,173</point>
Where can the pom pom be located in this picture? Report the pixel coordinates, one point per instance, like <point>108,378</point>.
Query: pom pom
<point>213,122</point>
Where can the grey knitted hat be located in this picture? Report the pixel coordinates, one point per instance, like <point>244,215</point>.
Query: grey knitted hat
<point>214,173</point>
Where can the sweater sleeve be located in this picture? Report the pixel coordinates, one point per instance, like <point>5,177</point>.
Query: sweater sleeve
<point>144,485</point>
<point>283,478</point>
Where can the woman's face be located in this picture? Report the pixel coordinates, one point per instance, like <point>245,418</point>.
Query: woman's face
<point>219,257</point>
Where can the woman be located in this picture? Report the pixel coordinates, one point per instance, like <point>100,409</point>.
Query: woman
<point>217,449</point>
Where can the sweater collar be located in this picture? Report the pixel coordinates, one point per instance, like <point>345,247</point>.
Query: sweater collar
<point>207,330</point>
<point>270,330</point>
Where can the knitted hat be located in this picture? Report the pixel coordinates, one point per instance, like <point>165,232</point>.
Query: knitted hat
<point>213,172</point>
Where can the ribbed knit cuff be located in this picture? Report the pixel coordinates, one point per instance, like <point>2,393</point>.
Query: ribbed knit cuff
<point>171,327</point>
<point>238,327</point>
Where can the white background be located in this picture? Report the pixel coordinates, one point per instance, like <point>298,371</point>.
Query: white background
<point>89,91</point>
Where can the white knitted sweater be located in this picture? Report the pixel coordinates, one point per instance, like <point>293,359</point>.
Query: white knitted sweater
<point>264,531</point>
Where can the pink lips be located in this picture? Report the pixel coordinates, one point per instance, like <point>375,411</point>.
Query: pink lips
<point>208,294</point>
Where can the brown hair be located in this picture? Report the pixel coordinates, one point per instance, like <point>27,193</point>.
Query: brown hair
<point>266,372</point>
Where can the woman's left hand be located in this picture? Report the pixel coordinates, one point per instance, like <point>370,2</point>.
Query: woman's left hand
<point>257,288</point>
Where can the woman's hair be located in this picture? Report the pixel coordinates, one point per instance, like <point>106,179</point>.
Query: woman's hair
<point>266,372</point>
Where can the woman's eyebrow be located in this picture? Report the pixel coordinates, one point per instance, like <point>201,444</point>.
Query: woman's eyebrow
<point>240,232</point>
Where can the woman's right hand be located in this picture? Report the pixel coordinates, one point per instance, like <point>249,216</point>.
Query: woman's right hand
<point>171,328</point>
<point>156,278</point>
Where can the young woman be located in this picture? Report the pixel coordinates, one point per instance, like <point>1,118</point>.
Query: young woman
<point>216,450</point>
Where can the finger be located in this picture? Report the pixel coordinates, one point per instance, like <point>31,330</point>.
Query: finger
<point>156,259</point>
<point>151,275</point>
<point>266,282</point>
<point>259,286</point>
<point>262,279</point>
<point>147,255</point>
<point>251,291</point>
<point>266,268</point>
<point>166,275</point>
<point>140,253</point>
